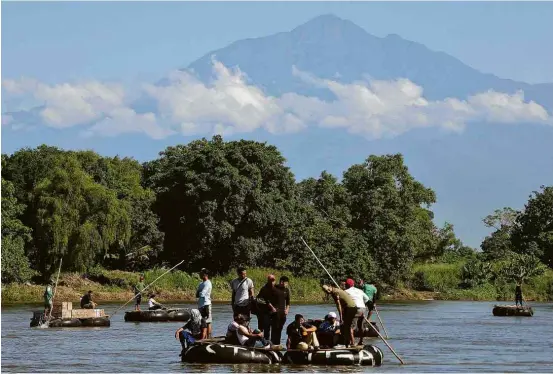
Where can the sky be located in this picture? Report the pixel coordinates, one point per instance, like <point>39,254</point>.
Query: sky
<point>90,58</point>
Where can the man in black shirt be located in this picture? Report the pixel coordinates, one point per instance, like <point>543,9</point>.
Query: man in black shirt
<point>86,301</point>
<point>282,303</point>
<point>267,307</point>
<point>299,331</point>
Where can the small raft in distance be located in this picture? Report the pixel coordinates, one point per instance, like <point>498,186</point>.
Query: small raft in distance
<point>512,311</point>
<point>159,315</point>
<point>65,316</point>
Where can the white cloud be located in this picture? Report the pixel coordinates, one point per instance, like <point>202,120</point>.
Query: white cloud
<point>230,105</point>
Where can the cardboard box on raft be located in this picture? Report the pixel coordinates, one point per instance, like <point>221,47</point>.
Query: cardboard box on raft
<point>62,310</point>
<point>87,313</point>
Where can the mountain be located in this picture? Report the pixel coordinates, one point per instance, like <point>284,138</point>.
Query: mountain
<point>485,168</point>
<point>333,48</point>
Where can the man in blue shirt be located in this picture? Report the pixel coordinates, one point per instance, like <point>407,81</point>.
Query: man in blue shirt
<point>204,302</point>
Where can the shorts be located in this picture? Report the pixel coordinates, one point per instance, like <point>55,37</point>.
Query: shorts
<point>370,305</point>
<point>357,323</point>
<point>138,299</point>
<point>205,311</point>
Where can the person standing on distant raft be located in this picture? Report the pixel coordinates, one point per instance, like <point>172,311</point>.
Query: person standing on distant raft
<point>242,293</point>
<point>204,302</point>
<point>347,310</point>
<point>518,295</point>
<point>48,298</point>
<point>138,288</point>
<point>369,290</point>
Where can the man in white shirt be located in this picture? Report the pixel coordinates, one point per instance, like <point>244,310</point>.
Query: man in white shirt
<point>204,302</point>
<point>242,292</point>
<point>360,300</point>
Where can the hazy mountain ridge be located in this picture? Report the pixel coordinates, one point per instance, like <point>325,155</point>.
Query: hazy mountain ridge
<point>333,48</point>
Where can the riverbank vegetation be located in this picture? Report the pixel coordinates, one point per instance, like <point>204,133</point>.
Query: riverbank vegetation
<point>218,204</point>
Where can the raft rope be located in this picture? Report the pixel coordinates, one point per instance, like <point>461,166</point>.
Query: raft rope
<point>370,324</point>
<point>145,288</point>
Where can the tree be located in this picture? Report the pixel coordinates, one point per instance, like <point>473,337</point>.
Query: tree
<point>222,203</point>
<point>535,225</point>
<point>386,203</point>
<point>520,267</point>
<point>15,265</point>
<point>76,218</point>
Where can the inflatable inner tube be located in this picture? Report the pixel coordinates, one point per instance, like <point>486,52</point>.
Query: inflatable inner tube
<point>68,322</point>
<point>228,354</point>
<point>366,357</point>
<point>159,315</point>
<point>96,322</point>
<point>512,311</point>
<point>178,315</point>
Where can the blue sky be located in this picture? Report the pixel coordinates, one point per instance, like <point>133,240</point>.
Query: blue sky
<point>133,43</point>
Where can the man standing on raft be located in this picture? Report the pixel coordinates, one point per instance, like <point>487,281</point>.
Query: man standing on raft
<point>347,310</point>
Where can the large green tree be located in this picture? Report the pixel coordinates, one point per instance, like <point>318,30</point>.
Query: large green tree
<point>222,203</point>
<point>387,206</point>
<point>15,265</point>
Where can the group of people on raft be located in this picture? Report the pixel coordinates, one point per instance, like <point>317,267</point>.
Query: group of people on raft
<point>272,306</point>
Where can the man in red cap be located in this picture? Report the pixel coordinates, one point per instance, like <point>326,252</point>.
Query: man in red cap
<point>360,300</point>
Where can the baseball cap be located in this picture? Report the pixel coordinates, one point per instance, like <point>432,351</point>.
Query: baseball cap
<point>331,315</point>
<point>350,282</point>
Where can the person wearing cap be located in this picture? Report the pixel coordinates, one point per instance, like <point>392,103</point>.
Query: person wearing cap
<point>360,300</point>
<point>246,336</point>
<point>347,309</point>
<point>370,290</point>
<point>48,298</point>
<point>300,331</point>
<point>268,299</point>
<point>203,294</point>
<point>329,331</point>
<point>152,303</point>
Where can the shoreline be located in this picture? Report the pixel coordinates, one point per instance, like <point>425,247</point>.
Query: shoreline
<point>14,294</point>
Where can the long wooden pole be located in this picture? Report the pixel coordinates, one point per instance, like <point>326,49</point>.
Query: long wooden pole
<point>53,296</point>
<point>381,337</point>
<point>132,298</point>
<point>380,319</point>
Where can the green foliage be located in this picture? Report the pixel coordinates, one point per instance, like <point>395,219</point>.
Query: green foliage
<point>15,265</point>
<point>520,267</point>
<point>475,273</point>
<point>535,225</point>
<point>436,277</point>
<point>386,206</point>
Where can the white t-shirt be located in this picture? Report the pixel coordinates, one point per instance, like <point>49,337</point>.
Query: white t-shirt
<point>239,333</point>
<point>358,296</point>
<point>242,297</point>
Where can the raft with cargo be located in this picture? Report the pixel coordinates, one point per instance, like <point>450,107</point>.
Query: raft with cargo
<point>512,311</point>
<point>159,315</point>
<point>221,353</point>
<point>63,315</point>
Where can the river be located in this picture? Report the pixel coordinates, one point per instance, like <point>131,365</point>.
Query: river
<point>431,336</point>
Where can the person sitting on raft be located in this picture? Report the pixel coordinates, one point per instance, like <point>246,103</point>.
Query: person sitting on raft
<point>300,331</point>
<point>152,303</point>
<point>328,332</point>
<point>86,301</point>
<point>191,330</point>
<point>347,310</point>
<point>245,335</point>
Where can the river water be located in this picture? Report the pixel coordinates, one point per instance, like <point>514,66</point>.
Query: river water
<point>430,336</point>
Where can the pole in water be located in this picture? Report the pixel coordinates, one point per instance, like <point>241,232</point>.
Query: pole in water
<point>122,306</point>
<point>370,324</point>
<point>47,323</point>
<point>380,319</point>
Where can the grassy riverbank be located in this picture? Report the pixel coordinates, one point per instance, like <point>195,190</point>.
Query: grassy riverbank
<point>440,282</point>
